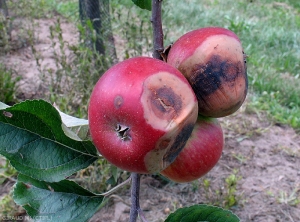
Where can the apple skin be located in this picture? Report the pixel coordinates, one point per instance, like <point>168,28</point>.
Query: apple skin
<point>141,113</point>
<point>213,61</point>
<point>200,154</point>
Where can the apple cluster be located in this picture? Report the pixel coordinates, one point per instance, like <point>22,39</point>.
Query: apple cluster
<point>152,116</point>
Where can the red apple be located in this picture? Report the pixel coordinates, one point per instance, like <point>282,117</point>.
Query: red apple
<point>141,113</point>
<point>213,61</point>
<point>200,154</point>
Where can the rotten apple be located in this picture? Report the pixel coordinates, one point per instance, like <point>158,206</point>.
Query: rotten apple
<point>213,61</point>
<point>200,154</point>
<point>141,113</point>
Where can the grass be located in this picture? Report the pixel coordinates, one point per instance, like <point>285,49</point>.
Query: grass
<point>7,205</point>
<point>72,82</point>
<point>44,8</point>
<point>8,85</point>
<point>224,195</point>
<point>289,198</point>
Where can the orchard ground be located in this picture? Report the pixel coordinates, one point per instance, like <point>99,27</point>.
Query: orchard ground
<point>257,177</point>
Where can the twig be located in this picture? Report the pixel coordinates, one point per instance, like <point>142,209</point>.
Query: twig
<point>158,36</point>
<point>135,195</point>
<point>113,196</point>
<point>116,188</point>
<point>7,177</point>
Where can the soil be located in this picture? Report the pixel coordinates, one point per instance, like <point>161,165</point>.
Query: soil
<point>263,157</point>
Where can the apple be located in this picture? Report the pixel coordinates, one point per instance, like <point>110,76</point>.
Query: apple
<point>200,154</point>
<point>141,113</point>
<point>213,61</point>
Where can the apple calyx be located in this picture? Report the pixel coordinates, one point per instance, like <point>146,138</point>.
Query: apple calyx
<point>123,132</point>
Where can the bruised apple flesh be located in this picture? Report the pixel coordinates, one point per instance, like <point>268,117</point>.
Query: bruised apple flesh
<point>213,61</point>
<point>141,113</point>
<point>200,154</point>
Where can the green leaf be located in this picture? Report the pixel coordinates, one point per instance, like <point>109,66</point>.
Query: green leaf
<point>202,212</point>
<point>60,201</point>
<point>143,4</point>
<point>33,138</point>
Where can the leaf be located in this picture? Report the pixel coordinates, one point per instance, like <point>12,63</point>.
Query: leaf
<point>33,139</point>
<point>143,4</point>
<point>60,201</point>
<point>202,212</point>
<point>71,121</point>
<point>70,133</point>
<point>114,177</point>
<point>76,128</point>
<point>3,106</point>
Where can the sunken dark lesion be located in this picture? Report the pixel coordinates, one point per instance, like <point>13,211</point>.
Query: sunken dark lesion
<point>165,100</point>
<point>207,78</point>
<point>178,145</point>
<point>118,101</point>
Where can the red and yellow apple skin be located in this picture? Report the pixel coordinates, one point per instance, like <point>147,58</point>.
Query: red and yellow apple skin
<point>213,61</point>
<point>200,154</point>
<point>141,113</point>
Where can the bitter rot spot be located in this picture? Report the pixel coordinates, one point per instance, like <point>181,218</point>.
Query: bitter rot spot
<point>118,101</point>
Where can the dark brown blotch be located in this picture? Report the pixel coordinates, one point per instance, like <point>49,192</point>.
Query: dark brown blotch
<point>178,144</point>
<point>165,101</point>
<point>207,78</point>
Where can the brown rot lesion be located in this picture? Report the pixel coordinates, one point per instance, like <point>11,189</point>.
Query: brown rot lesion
<point>178,144</point>
<point>165,100</point>
<point>123,132</point>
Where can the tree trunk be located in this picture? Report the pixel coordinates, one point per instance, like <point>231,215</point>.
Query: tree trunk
<point>108,37</point>
<point>3,8</point>
<point>98,13</point>
<point>90,11</point>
